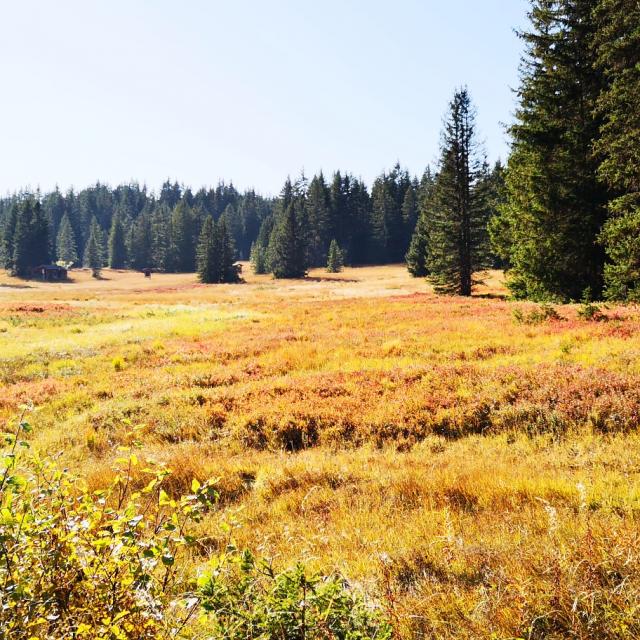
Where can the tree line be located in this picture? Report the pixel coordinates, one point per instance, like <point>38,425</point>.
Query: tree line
<point>569,226</point>
<point>562,217</point>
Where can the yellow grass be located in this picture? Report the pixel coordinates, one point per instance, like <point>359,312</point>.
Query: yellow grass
<point>477,475</point>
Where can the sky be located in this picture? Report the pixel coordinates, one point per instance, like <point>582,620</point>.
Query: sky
<point>245,91</point>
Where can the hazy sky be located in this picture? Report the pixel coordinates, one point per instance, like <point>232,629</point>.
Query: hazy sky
<point>243,90</point>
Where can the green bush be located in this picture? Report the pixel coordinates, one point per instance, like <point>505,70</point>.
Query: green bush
<point>246,598</point>
<point>111,564</point>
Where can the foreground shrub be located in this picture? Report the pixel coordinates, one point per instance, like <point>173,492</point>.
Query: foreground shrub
<point>113,565</point>
<point>246,598</point>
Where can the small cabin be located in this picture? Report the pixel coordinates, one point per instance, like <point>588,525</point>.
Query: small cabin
<point>50,272</point>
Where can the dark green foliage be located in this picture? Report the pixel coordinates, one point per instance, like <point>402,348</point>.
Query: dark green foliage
<point>247,598</point>
<point>617,49</point>
<point>335,259</point>
<point>457,237</point>
<point>216,253</point>
<point>555,207</point>
<point>140,247</point>
<point>8,234</point>
<point>30,242</point>
<point>117,247</point>
<point>66,242</point>
<point>287,247</point>
<point>417,255</point>
<point>320,217</point>
<point>182,246</point>
<point>94,252</point>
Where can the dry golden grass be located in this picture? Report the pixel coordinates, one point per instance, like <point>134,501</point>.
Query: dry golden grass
<point>479,475</point>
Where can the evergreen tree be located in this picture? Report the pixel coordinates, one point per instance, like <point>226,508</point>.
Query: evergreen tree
<point>216,253</point>
<point>117,246</point>
<point>66,242</point>
<point>287,247</point>
<point>555,207</point>
<point>182,245</point>
<point>207,257</point>
<point>141,243</point>
<point>93,253</point>
<point>335,261</point>
<point>458,241</point>
<point>320,219</point>
<point>8,235</point>
<point>258,258</point>
<point>617,49</point>
<point>31,237</point>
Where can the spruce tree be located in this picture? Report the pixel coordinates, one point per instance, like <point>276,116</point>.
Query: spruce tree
<point>617,49</point>
<point>287,247</point>
<point>182,244</point>
<point>335,260</point>
<point>458,240</point>
<point>206,253</point>
<point>66,242</point>
<point>93,252</point>
<point>555,207</point>
<point>117,246</point>
<point>31,237</point>
<point>8,235</point>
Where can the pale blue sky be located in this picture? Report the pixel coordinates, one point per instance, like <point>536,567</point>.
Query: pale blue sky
<point>243,90</point>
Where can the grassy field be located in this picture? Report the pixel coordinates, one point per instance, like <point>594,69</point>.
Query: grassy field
<point>473,464</point>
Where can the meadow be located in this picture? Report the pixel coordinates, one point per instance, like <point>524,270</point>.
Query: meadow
<point>473,465</point>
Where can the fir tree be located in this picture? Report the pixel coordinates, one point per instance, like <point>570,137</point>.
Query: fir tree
<point>555,207</point>
<point>93,253</point>
<point>31,237</point>
<point>335,261</point>
<point>206,255</point>
<point>458,241</point>
<point>287,247</point>
<point>182,245</point>
<point>617,49</point>
<point>117,246</point>
<point>8,235</point>
<point>66,242</point>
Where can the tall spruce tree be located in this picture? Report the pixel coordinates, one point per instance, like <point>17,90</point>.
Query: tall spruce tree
<point>206,253</point>
<point>117,246</point>
<point>31,237</point>
<point>66,249</point>
<point>417,255</point>
<point>458,240</point>
<point>617,50</point>
<point>93,252</point>
<point>287,247</point>
<point>8,235</point>
<point>555,207</point>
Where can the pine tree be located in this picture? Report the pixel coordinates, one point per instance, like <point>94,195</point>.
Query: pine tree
<point>555,207</point>
<point>617,49</point>
<point>320,219</point>
<point>458,241</point>
<point>417,254</point>
<point>66,242</point>
<point>8,235</point>
<point>229,270</point>
<point>93,252</point>
<point>182,245</point>
<point>335,261</point>
<point>207,258</point>
<point>117,246</point>
<point>141,243</point>
<point>287,247</point>
<point>31,237</point>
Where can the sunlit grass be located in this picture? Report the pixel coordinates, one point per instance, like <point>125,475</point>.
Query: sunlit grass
<point>479,475</point>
